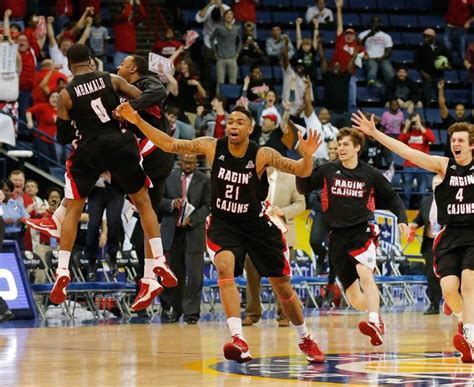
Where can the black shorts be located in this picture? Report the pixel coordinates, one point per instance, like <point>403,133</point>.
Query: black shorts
<point>259,238</point>
<point>115,152</point>
<point>346,243</point>
<point>453,251</point>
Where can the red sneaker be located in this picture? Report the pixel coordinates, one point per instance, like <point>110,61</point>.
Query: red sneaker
<point>374,331</point>
<point>162,270</point>
<point>238,350</point>
<point>49,226</point>
<point>149,289</point>
<point>446,309</point>
<point>463,345</point>
<point>58,293</point>
<point>309,347</point>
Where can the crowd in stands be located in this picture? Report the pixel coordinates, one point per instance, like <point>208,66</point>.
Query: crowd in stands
<point>288,79</point>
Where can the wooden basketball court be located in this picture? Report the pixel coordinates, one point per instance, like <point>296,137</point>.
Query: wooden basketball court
<point>417,352</point>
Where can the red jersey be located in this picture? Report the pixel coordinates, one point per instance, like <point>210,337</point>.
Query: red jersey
<point>37,94</point>
<point>244,11</point>
<point>125,29</point>
<point>418,140</point>
<point>343,52</point>
<point>459,12</point>
<point>18,8</point>
<point>46,117</point>
<point>28,70</point>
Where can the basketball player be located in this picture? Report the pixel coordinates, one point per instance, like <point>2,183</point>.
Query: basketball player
<point>349,188</point>
<point>238,224</point>
<point>89,101</point>
<point>453,248</point>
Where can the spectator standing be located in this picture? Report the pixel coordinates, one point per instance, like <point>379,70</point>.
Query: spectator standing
<point>98,38</point>
<point>251,53</point>
<point>392,119</point>
<point>416,136</point>
<point>275,44</point>
<point>262,107</point>
<point>458,19</point>
<point>168,46</point>
<point>425,60</point>
<point>13,214</point>
<point>405,90</point>
<point>125,30</point>
<point>255,92</point>
<point>185,239</point>
<point>27,76</point>
<point>468,62</point>
<point>306,48</point>
<point>378,46</point>
<point>319,12</point>
<point>227,44</point>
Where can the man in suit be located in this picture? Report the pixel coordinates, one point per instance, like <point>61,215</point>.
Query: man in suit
<point>285,203</point>
<point>427,217</point>
<point>184,238</point>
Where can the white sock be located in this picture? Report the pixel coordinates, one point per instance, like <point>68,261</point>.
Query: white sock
<point>156,247</point>
<point>458,316</point>
<point>235,326</point>
<point>60,213</point>
<point>148,271</point>
<point>160,261</point>
<point>302,331</point>
<point>374,318</point>
<point>63,259</point>
<point>469,332</point>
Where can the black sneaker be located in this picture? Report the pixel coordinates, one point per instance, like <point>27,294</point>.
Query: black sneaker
<point>432,309</point>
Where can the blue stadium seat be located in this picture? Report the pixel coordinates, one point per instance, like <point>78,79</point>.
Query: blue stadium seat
<point>351,19</point>
<point>392,4</point>
<point>292,34</point>
<point>458,96</point>
<point>276,3</point>
<point>263,34</point>
<point>329,53</point>
<point>419,4</point>
<point>266,72</point>
<point>368,94</point>
<point>244,70</point>
<point>328,37</point>
<point>366,18</point>
<point>451,76</point>
<point>443,136</point>
<point>230,91</point>
<point>302,3</point>
<point>431,21</point>
<point>432,116</point>
<point>105,14</point>
<point>285,17</point>
<point>406,21</point>
<point>415,75</point>
<point>396,37</point>
<point>264,17</point>
<point>412,38</point>
<point>363,4</point>
<point>277,73</point>
<point>189,16</point>
<point>402,56</point>
<point>464,76</point>
<point>378,111</point>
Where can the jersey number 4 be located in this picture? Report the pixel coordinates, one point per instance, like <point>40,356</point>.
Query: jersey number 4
<point>230,193</point>
<point>459,195</point>
<point>99,109</point>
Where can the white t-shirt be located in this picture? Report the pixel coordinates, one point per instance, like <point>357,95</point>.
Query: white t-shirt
<point>327,133</point>
<point>58,58</point>
<point>376,44</point>
<point>209,25</point>
<point>324,16</point>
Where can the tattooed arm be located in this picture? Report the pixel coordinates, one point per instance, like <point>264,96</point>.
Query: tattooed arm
<point>199,146</point>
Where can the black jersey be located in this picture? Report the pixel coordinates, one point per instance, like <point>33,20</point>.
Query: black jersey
<point>348,196</point>
<point>455,196</point>
<point>93,101</point>
<point>238,195</point>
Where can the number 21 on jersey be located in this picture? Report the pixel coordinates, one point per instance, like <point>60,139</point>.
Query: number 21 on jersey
<point>232,192</point>
<point>99,109</point>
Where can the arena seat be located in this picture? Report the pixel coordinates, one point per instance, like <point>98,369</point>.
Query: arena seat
<point>412,38</point>
<point>432,21</point>
<point>351,20</point>
<point>405,21</point>
<point>363,4</point>
<point>457,96</point>
<point>230,91</point>
<point>402,56</point>
<point>264,17</point>
<point>391,5</point>
<point>285,17</point>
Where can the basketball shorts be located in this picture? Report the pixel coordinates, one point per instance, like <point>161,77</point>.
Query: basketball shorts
<point>115,152</point>
<point>350,246</point>
<point>453,251</point>
<point>259,238</point>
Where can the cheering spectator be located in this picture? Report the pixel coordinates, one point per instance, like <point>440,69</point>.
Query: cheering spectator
<point>167,46</point>
<point>227,45</point>
<point>213,123</point>
<point>306,48</point>
<point>378,46</point>
<point>264,106</point>
<point>98,38</point>
<point>271,134</point>
<point>27,76</point>
<point>125,31</point>
<point>319,12</point>
<point>416,136</point>
<point>425,60</point>
<point>404,89</point>
<point>458,19</point>
<point>13,214</point>
<point>468,62</point>
<point>45,114</point>
<point>257,86</point>
<point>459,110</point>
<point>275,44</point>
<point>393,119</point>
<point>47,80</point>
<point>251,53</point>
<point>17,177</point>
<point>36,41</point>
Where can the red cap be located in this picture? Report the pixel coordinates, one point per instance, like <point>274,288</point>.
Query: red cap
<point>272,117</point>
<point>350,31</point>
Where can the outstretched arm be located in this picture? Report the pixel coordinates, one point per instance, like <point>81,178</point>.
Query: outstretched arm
<point>435,164</point>
<point>340,25</point>
<point>199,146</point>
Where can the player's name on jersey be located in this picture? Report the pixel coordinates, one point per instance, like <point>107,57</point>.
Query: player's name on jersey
<point>342,187</point>
<point>89,87</point>
<point>234,177</point>
<point>230,206</point>
<point>461,181</point>
<point>460,208</point>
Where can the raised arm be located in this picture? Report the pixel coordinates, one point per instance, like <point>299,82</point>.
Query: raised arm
<point>87,31</point>
<point>50,31</point>
<point>298,23</point>
<point>315,34</point>
<point>6,24</point>
<point>340,25</point>
<point>443,109</point>
<point>435,164</point>
<point>199,146</point>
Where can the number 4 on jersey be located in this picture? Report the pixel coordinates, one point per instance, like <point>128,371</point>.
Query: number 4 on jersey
<point>99,109</point>
<point>459,195</point>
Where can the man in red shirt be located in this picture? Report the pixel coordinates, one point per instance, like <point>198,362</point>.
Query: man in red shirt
<point>125,31</point>
<point>346,43</point>
<point>416,136</point>
<point>27,75</point>
<point>458,19</point>
<point>168,46</point>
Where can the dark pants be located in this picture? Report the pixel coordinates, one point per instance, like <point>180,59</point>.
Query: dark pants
<point>434,288</point>
<point>319,239</point>
<point>24,102</point>
<point>188,267</point>
<point>111,201</point>
<point>47,149</point>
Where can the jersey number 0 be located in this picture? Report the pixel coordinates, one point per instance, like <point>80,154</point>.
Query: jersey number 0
<point>99,109</point>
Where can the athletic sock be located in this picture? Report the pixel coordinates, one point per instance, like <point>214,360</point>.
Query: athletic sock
<point>148,271</point>
<point>302,331</point>
<point>235,326</point>
<point>63,259</point>
<point>156,247</point>
<point>458,315</point>
<point>60,213</point>
<point>374,318</point>
<point>469,332</point>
